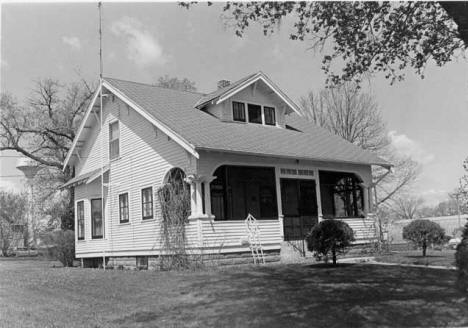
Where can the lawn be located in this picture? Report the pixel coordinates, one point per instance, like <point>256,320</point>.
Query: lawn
<point>32,294</point>
<point>444,257</point>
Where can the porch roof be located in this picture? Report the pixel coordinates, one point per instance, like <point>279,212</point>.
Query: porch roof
<point>300,139</point>
<point>84,178</point>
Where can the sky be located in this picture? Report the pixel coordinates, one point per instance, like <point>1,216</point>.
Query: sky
<point>426,118</point>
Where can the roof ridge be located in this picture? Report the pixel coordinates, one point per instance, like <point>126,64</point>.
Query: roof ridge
<point>155,86</point>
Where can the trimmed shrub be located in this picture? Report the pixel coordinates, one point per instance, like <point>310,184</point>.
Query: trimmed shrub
<point>424,232</point>
<point>329,236</point>
<point>461,260</point>
<point>61,246</point>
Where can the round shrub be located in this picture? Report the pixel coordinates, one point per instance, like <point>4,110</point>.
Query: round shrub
<point>461,260</point>
<point>61,246</point>
<point>424,232</point>
<point>329,236</point>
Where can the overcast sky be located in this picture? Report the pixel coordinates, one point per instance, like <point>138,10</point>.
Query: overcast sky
<point>426,119</point>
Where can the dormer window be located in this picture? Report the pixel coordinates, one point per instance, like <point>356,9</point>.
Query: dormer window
<point>238,111</point>
<point>255,113</point>
<point>114,135</point>
<point>270,117</point>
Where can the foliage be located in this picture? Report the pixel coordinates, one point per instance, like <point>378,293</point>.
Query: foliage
<point>360,37</point>
<point>461,260</point>
<point>424,232</point>
<point>12,215</point>
<point>43,129</point>
<point>61,246</point>
<point>175,83</point>
<point>329,236</point>
<point>174,199</point>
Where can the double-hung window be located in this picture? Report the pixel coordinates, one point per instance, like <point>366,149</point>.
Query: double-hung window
<point>255,113</point>
<point>147,203</point>
<point>123,208</point>
<point>270,118</point>
<point>80,219</point>
<point>97,222</point>
<point>114,135</point>
<point>238,111</point>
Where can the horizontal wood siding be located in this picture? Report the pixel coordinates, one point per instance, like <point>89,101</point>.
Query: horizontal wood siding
<point>146,155</point>
<point>222,235</point>
<point>364,229</point>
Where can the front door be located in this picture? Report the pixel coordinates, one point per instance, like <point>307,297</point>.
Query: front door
<point>299,203</point>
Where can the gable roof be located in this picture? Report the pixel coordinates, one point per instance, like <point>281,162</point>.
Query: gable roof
<point>302,140</point>
<point>223,94</point>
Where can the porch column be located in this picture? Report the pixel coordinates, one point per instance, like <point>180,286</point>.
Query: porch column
<point>208,196</point>
<point>278,201</point>
<point>193,204</point>
<point>199,199</point>
<point>319,196</point>
<point>365,192</point>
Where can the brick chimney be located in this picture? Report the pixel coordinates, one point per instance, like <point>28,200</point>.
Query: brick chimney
<point>223,84</point>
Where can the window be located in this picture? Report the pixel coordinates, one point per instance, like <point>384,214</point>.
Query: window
<point>238,191</point>
<point>80,219</point>
<point>270,118</point>
<point>114,135</point>
<point>238,111</point>
<point>97,223</point>
<point>342,195</point>
<point>123,208</point>
<point>255,113</point>
<point>147,203</point>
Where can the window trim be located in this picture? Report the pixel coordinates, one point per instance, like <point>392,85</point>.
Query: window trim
<point>110,141</point>
<point>128,209</point>
<point>147,218</point>
<point>245,112</point>
<point>78,220</point>
<point>92,220</point>
<point>261,113</point>
<point>274,115</point>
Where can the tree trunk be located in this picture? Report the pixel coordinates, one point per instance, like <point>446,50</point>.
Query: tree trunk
<point>334,255</point>
<point>424,247</point>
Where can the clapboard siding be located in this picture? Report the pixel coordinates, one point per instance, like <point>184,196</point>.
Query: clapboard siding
<point>146,155</point>
<point>218,235</point>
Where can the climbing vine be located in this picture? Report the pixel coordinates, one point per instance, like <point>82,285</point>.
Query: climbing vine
<point>174,199</point>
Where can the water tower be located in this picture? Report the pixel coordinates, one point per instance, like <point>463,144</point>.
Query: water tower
<point>30,168</point>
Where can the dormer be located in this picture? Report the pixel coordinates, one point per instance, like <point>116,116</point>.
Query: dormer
<point>254,99</point>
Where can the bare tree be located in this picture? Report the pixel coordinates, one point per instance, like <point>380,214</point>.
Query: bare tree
<point>406,207</point>
<point>346,111</point>
<point>175,83</point>
<point>43,129</point>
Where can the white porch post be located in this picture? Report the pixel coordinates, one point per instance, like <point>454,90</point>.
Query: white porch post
<point>318,195</point>
<point>208,197</point>
<point>366,199</point>
<point>193,204</point>
<point>278,201</point>
<point>198,198</point>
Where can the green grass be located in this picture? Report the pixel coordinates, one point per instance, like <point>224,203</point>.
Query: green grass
<point>32,294</point>
<point>444,257</point>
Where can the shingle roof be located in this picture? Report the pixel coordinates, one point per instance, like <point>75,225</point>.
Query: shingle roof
<point>176,109</point>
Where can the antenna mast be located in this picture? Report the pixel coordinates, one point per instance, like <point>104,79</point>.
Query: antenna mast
<point>100,40</point>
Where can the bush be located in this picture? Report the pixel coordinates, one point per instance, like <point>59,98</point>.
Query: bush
<point>461,260</point>
<point>61,246</point>
<point>329,236</point>
<point>424,232</point>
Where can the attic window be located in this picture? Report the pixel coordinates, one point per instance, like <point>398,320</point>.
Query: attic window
<point>238,111</point>
<point>270,118</point>
<point>255,113</point>
<point>114,135</point>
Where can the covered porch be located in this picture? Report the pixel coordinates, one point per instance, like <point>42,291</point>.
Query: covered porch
<point>287,197</point>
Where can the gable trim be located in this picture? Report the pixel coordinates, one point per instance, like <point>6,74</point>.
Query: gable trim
<point>80,129</point>
<point>177,138</point>
<point>269,83</point>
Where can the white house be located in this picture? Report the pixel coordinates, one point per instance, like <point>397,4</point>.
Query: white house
<point>245,148</point>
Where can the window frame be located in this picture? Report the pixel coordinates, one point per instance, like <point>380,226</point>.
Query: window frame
<point>244,120</point>
<point>248,113</point>
<point>80,219</point>
<point>111,141</point>
<point>93,236</point>
<point>143,217</point>
<point>127,207</point>
<point>265,116</point>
